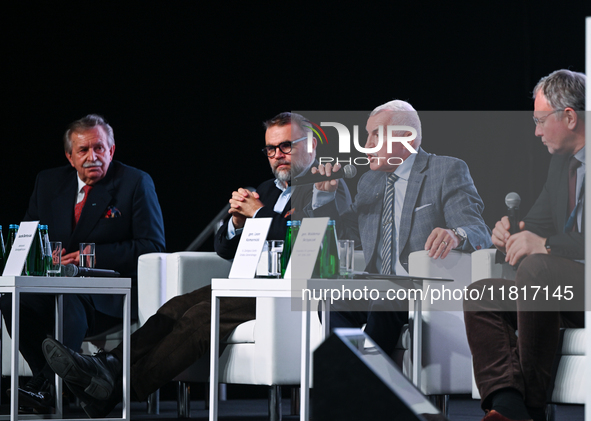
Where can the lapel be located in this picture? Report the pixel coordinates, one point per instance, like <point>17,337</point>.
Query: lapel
<point>561,203</point>
<point>415,181</point>
<point>95,207</point>
<point>62,207</point>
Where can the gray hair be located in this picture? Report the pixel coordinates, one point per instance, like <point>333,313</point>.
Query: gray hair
<point>563,89</point>
<point>86,123</point>
<point>402,114</point>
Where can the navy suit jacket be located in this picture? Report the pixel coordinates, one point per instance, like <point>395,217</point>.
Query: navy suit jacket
<point>138,228</point>
<point>440,193</point>
<point>549,214</point>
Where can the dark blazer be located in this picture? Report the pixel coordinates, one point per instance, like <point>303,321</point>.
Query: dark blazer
<point>440,193</point>
<point>137,228</point>
<point>548,215</point>
<point>295,209</point>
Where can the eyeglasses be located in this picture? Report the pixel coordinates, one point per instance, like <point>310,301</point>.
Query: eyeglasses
<point>541,121</point>
<point>284,147</point>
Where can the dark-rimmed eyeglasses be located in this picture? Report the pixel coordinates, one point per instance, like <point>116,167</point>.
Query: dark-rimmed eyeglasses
<point>541,121</point>
<point>284,147</point>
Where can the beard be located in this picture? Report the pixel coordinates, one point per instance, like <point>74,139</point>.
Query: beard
<point>296,168</point>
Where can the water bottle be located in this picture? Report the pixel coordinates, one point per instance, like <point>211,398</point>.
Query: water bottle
<point>47,258</point>
<point>286,248</point>
<point>12,229</point>
<point>35,259</point>
<point>2,251</point>
<point>329,253</point>
<point>293,227</point>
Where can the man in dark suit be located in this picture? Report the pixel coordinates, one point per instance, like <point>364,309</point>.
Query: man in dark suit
<point>182,326</point>
<point>276,198</point>
<point>433,205</point>
<point>513,371</point>
<point>98,200</point>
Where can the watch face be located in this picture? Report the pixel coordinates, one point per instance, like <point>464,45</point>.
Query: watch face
<point>462,232</point>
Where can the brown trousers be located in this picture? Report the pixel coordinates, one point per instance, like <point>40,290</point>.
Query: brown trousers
<point>177,335</point>
<point>522,361</point>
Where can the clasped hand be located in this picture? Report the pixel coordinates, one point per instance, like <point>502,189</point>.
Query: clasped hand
<point>243,205</point>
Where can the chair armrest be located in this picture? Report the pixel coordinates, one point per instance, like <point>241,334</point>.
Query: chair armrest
<point>151,275</point>
<point>187,271</point>
<point>484,266</point>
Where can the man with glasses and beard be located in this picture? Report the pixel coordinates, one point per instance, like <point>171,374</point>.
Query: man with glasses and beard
<point>276,198</point>
<point>179,333</point>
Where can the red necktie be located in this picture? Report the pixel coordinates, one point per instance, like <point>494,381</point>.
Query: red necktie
<point>80,205</point>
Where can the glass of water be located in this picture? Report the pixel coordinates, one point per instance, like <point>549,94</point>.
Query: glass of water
<point>53,258</point>
<point>87,255</point>
<point>275,248</point>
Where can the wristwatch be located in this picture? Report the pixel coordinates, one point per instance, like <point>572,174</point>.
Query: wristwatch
<point>547,245</point>
<point>461,234</point>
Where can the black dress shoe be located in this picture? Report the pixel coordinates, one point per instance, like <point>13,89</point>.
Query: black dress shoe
<point>95,408</point>
<point>38,395</point>
<point>97,374</point>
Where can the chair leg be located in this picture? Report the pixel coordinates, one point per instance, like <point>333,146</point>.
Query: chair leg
<point>441,402</point>
<point>183,400</point>
<point>295,401</point>
<point>551,412</point>
<point>154,403</point>
<point>275,403</point>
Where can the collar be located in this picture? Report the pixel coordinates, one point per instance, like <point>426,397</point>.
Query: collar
<point>580,156</point>
<point>403,170</point>
<point>80,183</point>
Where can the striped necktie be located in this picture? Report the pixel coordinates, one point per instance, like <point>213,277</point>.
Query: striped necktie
<point>388,227</point>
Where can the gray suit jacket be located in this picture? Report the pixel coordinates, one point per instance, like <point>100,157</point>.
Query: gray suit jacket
<point>440,193</point>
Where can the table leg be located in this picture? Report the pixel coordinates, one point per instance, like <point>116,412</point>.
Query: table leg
<point>15,356</point>
<point>59,336</point>
<point>305,376</point>
<point>417,344</point>
<point>214,357</point>
<point>126,356</point>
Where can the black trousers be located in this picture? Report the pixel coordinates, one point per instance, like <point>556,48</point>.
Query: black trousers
<point>522,361</point>
<point>177,335</point>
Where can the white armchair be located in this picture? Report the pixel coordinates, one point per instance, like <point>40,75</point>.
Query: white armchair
<point>569,386</point>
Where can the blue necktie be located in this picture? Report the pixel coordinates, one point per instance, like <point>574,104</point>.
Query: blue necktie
<point>388,227</point>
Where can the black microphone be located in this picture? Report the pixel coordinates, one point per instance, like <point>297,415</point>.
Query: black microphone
<point>348,171</point>
<point>512,200</point>
<point>71,271</point>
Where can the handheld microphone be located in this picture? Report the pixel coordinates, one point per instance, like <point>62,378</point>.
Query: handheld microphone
<point>512,200</point>
<point>71,270</point>
<point>348,171</point>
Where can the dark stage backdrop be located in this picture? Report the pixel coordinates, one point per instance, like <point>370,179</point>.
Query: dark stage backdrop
<point>186,86</point>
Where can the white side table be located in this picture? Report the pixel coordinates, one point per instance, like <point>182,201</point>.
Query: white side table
<point>261,287</point>
<point>17,285</point>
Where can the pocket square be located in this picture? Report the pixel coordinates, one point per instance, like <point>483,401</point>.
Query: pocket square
<point>424,206</point>
<point>112,212</point>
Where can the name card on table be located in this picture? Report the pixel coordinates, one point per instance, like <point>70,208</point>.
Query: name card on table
<point>305,250</point>
<point>20,248</point>
<point>250,246</point>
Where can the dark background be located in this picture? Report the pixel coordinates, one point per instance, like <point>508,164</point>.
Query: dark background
<point>186,86</point>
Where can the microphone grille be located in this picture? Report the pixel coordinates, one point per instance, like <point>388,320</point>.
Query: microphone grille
<point>350,171</point>
<point>70,270</point>
<point>512,200</point>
